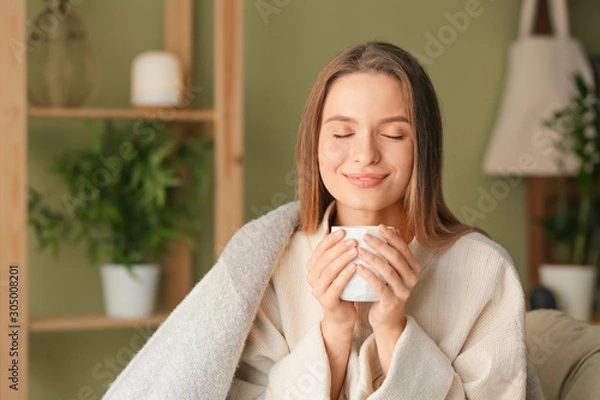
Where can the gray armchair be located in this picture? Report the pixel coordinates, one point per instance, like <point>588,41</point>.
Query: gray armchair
<point>565,354</point>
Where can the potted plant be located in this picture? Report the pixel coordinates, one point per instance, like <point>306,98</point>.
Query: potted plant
<point>574,226</point>
<point>127,197</point>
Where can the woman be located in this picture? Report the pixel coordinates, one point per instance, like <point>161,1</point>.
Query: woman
<point>370,143</point>
<point>268,322</point>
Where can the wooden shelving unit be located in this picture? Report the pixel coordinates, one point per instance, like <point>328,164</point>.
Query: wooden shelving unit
<point>225,121</point>
<point>164,114</point>
<point>90,321</point>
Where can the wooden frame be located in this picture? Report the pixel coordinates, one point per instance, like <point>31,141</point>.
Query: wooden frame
<point>13,195</point>
<point>537,188</point>
<point>537,206</point>
<point>165,114</point>
<point>177,267</point>
<point>229,145</point>
<point>226,117</point>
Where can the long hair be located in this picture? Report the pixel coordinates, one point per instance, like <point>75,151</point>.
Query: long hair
<point>426,211</point>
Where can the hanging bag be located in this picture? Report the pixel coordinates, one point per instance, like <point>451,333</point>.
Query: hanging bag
<point>539,81</point>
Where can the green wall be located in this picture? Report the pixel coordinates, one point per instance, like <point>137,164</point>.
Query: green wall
<point>285,47</point>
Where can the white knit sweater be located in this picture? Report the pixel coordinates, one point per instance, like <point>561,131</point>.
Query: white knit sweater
<point>464,336</point>
<point>464,333</point>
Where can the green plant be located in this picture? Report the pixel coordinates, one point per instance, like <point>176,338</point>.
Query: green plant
<point>574,227</point>
<point>128,196</point>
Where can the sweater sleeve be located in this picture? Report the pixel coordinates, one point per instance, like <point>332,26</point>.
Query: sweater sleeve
<point>490,365</point>
<point>269,370</point>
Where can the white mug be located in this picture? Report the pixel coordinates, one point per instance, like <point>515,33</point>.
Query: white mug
<point>357,288</point>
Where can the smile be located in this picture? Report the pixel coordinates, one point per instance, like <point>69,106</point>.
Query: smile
<point>365,180</point>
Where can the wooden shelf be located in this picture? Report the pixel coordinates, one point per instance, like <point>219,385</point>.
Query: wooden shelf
<point>164,114</point>
<point>90,321</point>
<point>226,127</point>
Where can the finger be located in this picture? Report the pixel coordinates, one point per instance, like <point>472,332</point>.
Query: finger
<point>339,283</point>
<point>379,287</point>
<point>328,242</point>
<point>340,250</point>
<point>387,271</point>
<point>396,241</point>
<point>336,251</point>
<point>392,255</point>
<point>330,273</point>
<point>395,271</point>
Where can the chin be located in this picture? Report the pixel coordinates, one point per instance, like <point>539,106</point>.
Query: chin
<point>368,203</point>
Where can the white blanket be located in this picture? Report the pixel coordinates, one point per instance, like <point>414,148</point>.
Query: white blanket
<point>194,353</point>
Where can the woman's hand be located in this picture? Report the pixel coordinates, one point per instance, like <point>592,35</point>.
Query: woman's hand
<point>328,275</point>
<point>401,272</point>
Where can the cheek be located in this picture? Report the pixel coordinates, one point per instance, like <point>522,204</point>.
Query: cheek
<point>404,161</point>
<point>408,163</point>
<point>331,153</point>
<point>408,156</point>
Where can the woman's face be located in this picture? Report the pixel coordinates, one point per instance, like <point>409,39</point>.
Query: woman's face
<point>366,144</point>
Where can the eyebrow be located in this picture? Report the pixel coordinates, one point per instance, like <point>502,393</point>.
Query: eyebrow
<point>344,118</point>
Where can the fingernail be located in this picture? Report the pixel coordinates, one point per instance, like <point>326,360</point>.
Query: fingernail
<point>339,232</point>
<point>352,252</point>
<point>367,237</point>
<point>352,267</point>
<point>349,242</point>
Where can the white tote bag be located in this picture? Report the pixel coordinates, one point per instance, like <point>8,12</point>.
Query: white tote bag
<point>539,81</point>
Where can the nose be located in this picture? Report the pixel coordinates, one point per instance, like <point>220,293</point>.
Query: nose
<point>364,150</point>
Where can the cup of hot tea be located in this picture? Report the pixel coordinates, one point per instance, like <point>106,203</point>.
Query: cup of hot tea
<point>357,288</point>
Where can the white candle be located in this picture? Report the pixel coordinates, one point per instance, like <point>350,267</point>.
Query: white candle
<point>156,80</point>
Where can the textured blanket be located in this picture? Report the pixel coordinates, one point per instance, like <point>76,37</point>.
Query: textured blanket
<point>195,352</point>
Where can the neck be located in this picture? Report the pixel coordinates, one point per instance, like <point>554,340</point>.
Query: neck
<point>393,216</point>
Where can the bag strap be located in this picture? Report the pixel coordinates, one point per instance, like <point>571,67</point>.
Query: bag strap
<point>558,17</point>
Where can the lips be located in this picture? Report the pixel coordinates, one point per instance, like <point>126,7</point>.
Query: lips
<point>365,180</point>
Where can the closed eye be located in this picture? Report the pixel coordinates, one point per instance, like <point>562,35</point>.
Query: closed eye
<point>394,137</point>
<point>342,136</point>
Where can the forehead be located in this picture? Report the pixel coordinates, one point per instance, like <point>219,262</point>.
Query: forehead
<point>364,95</point>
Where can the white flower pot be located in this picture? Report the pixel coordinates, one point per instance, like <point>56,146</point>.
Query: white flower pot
<point>127,295</point>
<point>573,287</point>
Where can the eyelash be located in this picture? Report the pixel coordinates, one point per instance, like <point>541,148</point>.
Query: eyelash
<point>336,136</point>
<point>399,137</point>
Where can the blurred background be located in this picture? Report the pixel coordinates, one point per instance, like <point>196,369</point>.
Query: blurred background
<point>286,43</point>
